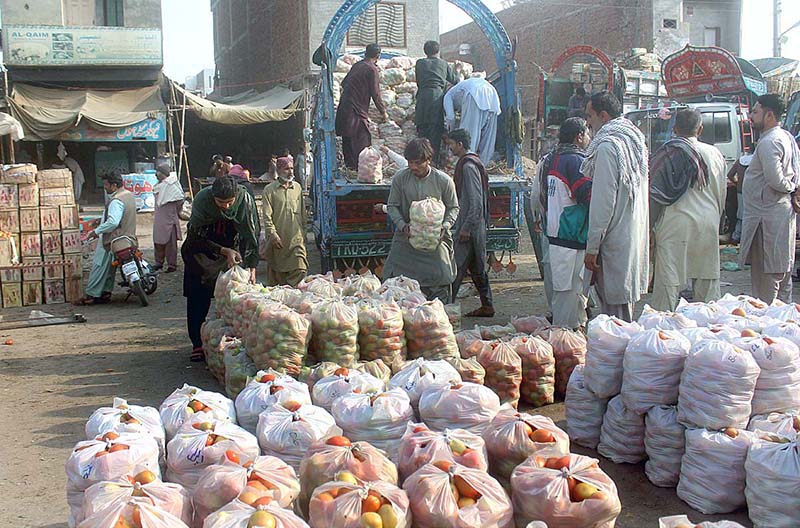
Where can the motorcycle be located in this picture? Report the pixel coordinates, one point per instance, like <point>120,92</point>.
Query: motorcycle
<point>136,273</point>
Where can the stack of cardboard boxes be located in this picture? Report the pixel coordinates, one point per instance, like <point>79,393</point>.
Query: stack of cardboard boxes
<point>37,208</point>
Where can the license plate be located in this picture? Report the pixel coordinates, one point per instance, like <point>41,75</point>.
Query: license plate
<point>129,269</point>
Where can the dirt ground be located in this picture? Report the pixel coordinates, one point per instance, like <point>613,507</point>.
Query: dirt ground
<point>52,378</point>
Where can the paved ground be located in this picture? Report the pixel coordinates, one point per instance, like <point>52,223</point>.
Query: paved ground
<point>52,378</point>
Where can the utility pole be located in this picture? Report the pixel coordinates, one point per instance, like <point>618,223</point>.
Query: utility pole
<point>776,28</point>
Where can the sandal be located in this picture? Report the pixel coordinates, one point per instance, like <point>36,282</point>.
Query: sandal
<point>91,301</point>
<point>483,311</point>
<point>197,355</point>
<point>171,269</point>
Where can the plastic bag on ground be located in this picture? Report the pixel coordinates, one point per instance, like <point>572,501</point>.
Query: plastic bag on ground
<point>429,332</point>
<point>277,337</point>
<point>569,349</point>
<point>606,339</point>
<point>187,401</point>
<point>242,516</point>
<point>370,166</point>
<point>461,406</point>
<point>405,283</point>
<point>380,331</point>
<point>491,332</point>
<point>695,335</point>
<point>360,285</point>
<point>214,334</point>
<point>701,313</point>
<point>682,521</point>
<point>435,504</point>
<point>166,496</point>
<point>530,324</point>
<point>348,505</point>
<point>652,319</point>
<point>622,434</point>
<point>334,335</point>
<point>420,445</point>
<point>311,375</point>
<point>288,435</point>
<point>652,368</point>
<point>122,417</point>
<point>235,280</point>
<point>584,411</point>
<point>789,330</point>
<point>425,225</point>
<point>378,418</point>
<point>265,389</point>
<point>469,342</point>
<point>512,437</point>
<point>238,368</point>
<point>545,494</point>
<point>503,370</point>
<point>786,425</point>
<point>343,381</point>
<point>739,323</point>
<point>376,368</point>
<point>735,305</point>
<point>772,480</point>
<point>784,312</point>
<point>133,513</point>
<point>778,385</point>
<point>717,386</point>
<point>420,375</point>
<point>664,442</point>
<point>469,369</point>
<point>712,470</point>
<point>538,370</point>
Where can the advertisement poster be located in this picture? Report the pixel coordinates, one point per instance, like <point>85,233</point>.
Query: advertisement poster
<point>141,185</point>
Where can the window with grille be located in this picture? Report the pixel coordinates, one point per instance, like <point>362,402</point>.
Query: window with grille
<point>383,24</point>
<point>670,23</point>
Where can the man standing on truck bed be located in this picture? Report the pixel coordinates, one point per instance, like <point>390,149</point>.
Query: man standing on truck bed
<point>768,223</point>
<point>352,117</point>
<point>433,74</point>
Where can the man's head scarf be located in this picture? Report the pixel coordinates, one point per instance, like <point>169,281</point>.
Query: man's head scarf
<point>284,162</point>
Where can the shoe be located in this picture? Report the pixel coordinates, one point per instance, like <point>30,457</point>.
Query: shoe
<point>171,269</point>
<point>156,267</point>
<point>483,311</point>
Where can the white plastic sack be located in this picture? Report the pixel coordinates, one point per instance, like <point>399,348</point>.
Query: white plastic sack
<point>742,303</point>
<point>429,332</point>
<point>695,335</point>
<point>584,411</point>
<point>347,381</point>
<point>380,331</point>
<point>538,384</point>
<point>370,166</point>
<point>420,375</point>
<point>265,390</point>
<point>166,496</point>
<point>786,425</point>
<point>334,335</point>
<point>778,385</point>
<point>651,319</point>
<point>132,513</point>
<point>773,478</point>
<point>606,339</point>
<point>420,445</point>
<point>242,516</point>
<point>122,417</point>
<point>701,313</point>
<point>664,442</point>
<point>790,331</point>
<point>345,509</point>
<point>622,434</point>
<point>784,312</point>
<point>180,406</point>
<point>569,349</point>
<point>425,225</point>
<point>682,521</point>
<point>459,406</point>
<point>405,283</point>
<point>652,368</point>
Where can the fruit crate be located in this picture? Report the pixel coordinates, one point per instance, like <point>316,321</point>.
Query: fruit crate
<point>358,215</point>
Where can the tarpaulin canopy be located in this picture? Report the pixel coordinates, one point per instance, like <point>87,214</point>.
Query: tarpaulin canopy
<point>251,108</point>
<point>10,126</point>
<point>46,113</point>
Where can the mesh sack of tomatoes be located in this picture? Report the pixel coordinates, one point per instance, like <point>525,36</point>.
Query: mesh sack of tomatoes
<point>584,411</point>
<point>664,442</point>
<point>622,434</point>
<point>214,334</point>
<point>377,368</point>
<point>717,386</point>
<point>361,285</point>
<point>425,224</point>
<point>785,424</point>
<point>503,370</point>
<point>380,331</point>
<point>184,403</point>
<point>277,337</point>
<point>713,469</point>
<point>447,495</point>
<point>379,418</point>
<point>771,470</point>
<point>469,369</point>
<point>538,385</point>
<point>459,406</point>
<point>340,504</point>
<point>334,332</point>
<point>239,515</point>
<point>200,444</point>
<point>564,492</point>
<point>133,513</point>
<point>778,384</point>
<point>343,381</point>
<point>606,339</point>
<point>530,324</point>
<point>300,301</point>
<point>492,332</point>
<point>420,445</point>
<point>265,476</point>
<point>652,368</point>
<point>145,486</point>
<point>569,349</point>
<point>419,375</point>
<point>242,307</point>
<point>654,320</point>
<point>288,433</point>
<point>238,368</point>
<point>262,391</point>
<point>122,417</point>
<point>429,333</point>
<point>469,342</point>
<point>511,437</point>
<point>107,457</point>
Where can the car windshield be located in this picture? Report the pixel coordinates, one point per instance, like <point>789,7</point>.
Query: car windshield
<point>656,125</point>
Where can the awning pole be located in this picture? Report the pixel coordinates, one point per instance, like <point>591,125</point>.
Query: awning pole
<point>10,141</point>
<point>182,153</point>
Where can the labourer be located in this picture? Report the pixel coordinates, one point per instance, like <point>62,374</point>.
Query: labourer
<point>479,104</point>
<point>433,75</point>
<point>768,223</point>
<point>434,270</point>
<point>352,116</point>
<point>285,227</point>
<point>687,196</point>
<point>222,232</point>
<point>166,220</point>
<point>472,191</point>
<point>617,244</point>
<point>66,162</point>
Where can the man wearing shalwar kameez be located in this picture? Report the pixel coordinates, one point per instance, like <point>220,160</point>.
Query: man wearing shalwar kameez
<point>166,220</point>
<point>433,74</point>
<point>479,104</point>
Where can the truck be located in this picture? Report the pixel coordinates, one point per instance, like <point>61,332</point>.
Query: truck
<point>350,234</point>
<point>792,120</point>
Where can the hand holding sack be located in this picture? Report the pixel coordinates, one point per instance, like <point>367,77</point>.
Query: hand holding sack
<point>429,332</point>
<point>334,335</point>
<point>622,434</point>
<point>133,513</point>
<point>652,368</point>
<point>277,337</point>
<point>426,219</point>
<point>772,479</point>
<point>421,446</point>
<point>343,381</point>
<point>461,405</point>
<point>184,403</point>
<point>469,369</point>
<point>607,338</point>
<point>664,442</point>
<point>342,504</point>
<point>569,349</point>
<point>538,370</point>
<point>238,515</point>
<point>564,492</point>
<point>503,370</point>
<point>380,331</point>
<point>446,495</point>
<point>263,391</point>
<point>419,375</point>
<point>584,411</point>
<point>238,367</point>
<point>778,383</point>
<point>370,166</point>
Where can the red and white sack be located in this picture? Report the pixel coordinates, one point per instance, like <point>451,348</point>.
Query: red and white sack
<point>786,425</point>
<point>749,305</point>
<point>124,418</point>
<point>265,390</point>
<point>653,319</point>
<point>165,496</point>
<point>92,461</point>
<point>238,515</point>
<point>221,483</point>
<point>370,166</point>
<point>419,375</point>
<point>652,368</point>
<point>376,368</point>
<point>703,314</point>
<point>380,331</point>
<point>538,384</point>
<point>622,434</point>
<point>346,381</point>
<point>778,385</point>
<point>420,445</point>
<point>717,386</point>
<point>664,442</point>
<point>712,470</point>
<point>503,370</point>
<point>434,505</point>
<point>277,337</point>
<point>606,339</point>
<point>569,349</point>
<point>334,332</point>
<point>788,330</point>
<point>469,369</point>
<point>425,224</point>
<point>584,411</point>
<point>192,449</point>
<point>544,494</point>
<point>345,509</point>
<point>459,406</point>
<point>469,342</point>
<point>682,521</point>
<point>135,512</point>
<point>288,435</point>
<point>530,324</point>
<point>512,437</point>
<point>429,333</point>
<point>175,409</point>
<point>773,477</point>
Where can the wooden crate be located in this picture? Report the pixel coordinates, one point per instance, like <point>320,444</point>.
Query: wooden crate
<point>12,295</point>
<point>9,220</point>
<point>32,293</point>
<point>71,241</point>
<point>28,194</point>
<point>30,245</point>
<point>29,220</point>
<point>76,270</point>
<point>54,179</point>
<point>69,217</point>
<point>33,273</point>
<point>9,196</point>
<point>73,289</point>
<point>21,173</point>
<point>54,292</point>
<point>57,196</point>
<point>50,219</point>
<point>51,243</point>
<point>10,275</point>
<point>55,271</point>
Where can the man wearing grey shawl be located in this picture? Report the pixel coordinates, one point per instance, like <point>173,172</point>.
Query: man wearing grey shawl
<point>617,244</point>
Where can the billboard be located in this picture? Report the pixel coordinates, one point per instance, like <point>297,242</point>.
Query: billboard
<point>150,129</point>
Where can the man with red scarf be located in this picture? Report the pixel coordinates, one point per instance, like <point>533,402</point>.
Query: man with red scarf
<point>472,190</point>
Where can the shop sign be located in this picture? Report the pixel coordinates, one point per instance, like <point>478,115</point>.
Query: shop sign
<point>150,129</point>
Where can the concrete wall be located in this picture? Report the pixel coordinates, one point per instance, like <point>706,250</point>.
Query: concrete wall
<point>724,14</point>
<point>36,12</point>
<point>141,13</point>
<point>665,40</point>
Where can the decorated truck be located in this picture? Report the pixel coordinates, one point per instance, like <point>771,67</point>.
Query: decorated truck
<point>349,233</point>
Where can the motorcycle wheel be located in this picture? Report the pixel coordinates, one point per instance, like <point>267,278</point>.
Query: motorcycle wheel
<point>138,289</point>
<point>150,284</point>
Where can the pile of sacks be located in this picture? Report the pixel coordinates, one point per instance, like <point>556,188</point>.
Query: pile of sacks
<point>708,395</point>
